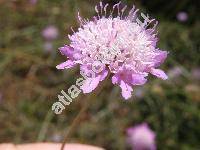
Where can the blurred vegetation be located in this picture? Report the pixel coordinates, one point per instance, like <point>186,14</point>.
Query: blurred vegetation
<point>30,83</point>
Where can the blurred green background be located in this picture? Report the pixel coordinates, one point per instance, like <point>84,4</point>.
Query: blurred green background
<point>30,83</point>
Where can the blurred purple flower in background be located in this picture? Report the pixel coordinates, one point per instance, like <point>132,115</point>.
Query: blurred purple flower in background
<point>175,72</point>
<point>141,137</point>
<point>50,32</point>
<point>196,73</point>
<point>33,2</point>
<point>139,92</point>
<point>182,16</point>
<point>48,46</point>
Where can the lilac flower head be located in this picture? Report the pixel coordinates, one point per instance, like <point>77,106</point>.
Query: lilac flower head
<point>139,92</point>
<point>120,44</point>
<point>33,2</point>
<point>50,32</point>
<point>196,73</point>
<point>182,16</point>
<point>141,137</point>
<point>48,46</point>
<point>175,72</point>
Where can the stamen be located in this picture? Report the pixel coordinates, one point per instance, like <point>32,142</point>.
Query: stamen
<point>123,10</point>
<point>101,5</point>
<point>118,8</point>
<point>80,19</point>
<point>105,8</point>
<point>132,14</point>
<point>72,29</point>
<point>154,26</point>
<point>113,9</point>
<point>85,21</point>
<point>146,20</point>
<point>97,11</point>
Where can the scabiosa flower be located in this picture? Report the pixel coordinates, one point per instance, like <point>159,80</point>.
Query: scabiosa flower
<point>196,73</point>
<point>175,72</point>
<point>139,92</point>
<point>125,48</point>
<point>182,16</point>
<point>48,46</point>
<point>141,137</point>
<point>50,32</point>
<point>33,2</point>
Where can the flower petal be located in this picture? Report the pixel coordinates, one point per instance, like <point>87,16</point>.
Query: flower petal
<point>70,52</point>
<point>126,90</point>
<point>103,75</point>
<point>90,84</point>
<point>138,79</point>
<point>115,79</point>
<point>87,70</point>
<point>159,73</point>
<point>160,58</point>
<point>66,65</point>
<point>66,50</point>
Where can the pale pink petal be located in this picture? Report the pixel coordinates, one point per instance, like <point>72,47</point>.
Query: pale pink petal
<point>70,52</point>
<point>87,70</point>
<point>115,79</point>
<point>103,74</point>
<point>138,79</point>
<point>77,56</point>
<point>93,78</point>
<point>66,65</point>
<point>126,90</point>
<point>159,73</point>
<point>90,84</point>
<point>66,50</point>
<point>160,58</point>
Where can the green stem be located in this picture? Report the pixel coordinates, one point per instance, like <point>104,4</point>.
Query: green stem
<point>44,128</point>
<point>81,113</point>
